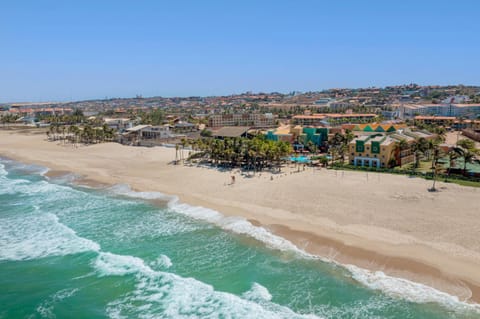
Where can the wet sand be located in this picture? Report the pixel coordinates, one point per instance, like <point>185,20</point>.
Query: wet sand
<point>375,221</point>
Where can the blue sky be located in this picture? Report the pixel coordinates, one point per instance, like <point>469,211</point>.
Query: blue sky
<point>70,50</point>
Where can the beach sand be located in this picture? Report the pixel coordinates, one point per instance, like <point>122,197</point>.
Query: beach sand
<point>376,221</point>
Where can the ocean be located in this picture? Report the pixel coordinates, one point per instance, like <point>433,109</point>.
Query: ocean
<point>69,251</point>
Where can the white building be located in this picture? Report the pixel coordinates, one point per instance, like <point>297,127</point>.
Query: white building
<point>458,110</point>
<point>119,124</point>
<point>456,99</point>
<point>148,132</point>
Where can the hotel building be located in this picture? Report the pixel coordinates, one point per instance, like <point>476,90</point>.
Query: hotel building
<point>455,110</point>
<point>379,150</point>
<point>255,120</point>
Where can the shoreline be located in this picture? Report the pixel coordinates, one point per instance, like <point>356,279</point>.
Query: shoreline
<point>333,249</point>
<point>403,259</point>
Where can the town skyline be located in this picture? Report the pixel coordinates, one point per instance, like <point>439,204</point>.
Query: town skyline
<point>252,92</point>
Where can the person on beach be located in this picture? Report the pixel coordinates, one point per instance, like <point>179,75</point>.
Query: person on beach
<point>233,179</point>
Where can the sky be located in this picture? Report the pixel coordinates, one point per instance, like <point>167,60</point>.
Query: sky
<point>87,49</point>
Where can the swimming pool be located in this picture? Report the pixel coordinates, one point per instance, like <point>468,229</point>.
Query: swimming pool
<point>299,159</point>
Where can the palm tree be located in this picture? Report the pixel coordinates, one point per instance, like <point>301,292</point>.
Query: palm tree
<point>176,153</point>
<point>399,147</point>
<point>52,131</point>
<point>452,156</point>
<point>436,156</point>
<point>349,136</point>
<point>460,125</point>
<point>467,155</point>
<point>441,134</point>
<point>337,146</point>
<point>466,144</point>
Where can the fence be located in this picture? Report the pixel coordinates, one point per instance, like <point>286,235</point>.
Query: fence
<point>427,175</point>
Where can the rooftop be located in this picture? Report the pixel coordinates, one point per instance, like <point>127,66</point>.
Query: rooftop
<point>231,131</point>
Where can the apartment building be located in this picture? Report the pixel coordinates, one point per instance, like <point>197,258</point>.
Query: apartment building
<point>435,120</point>
<point>255,120</point>
<point>456,110</point>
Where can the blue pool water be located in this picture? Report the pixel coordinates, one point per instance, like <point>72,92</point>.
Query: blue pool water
<point>299,159</point>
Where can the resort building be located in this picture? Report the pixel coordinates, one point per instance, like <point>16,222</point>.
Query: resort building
<point>299,134</point>
<point>147,132</point>
<point>456,110</point>
<point>471,111</point>
<point>156,132</point>
<point>435,120</point>
<point>119,124</point>
<point>326,119</point>
<point>372,151</point>
<point>36,112</point>
<point>254,120</point>
<point>470,124</point>
<point>374,127</point>
<point>381,150</point>
<point>448,121</point>
<point>184,127</point>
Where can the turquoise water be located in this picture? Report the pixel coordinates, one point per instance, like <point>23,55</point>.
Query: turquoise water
<point>300,159</point>
<point>73,252</point>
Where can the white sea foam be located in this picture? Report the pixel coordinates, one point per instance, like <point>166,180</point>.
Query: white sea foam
<point>45,309</point>
<point>125,190</point>
<point>28,168</point>
<point>171,296</point>
<point>109,264</point>
<point>163,261</point>
<point>257,292</point>
<point>68,178</point>
<point>23,186</point>
<point>39,235</point>
<point>391,286</point>
<point>406,289</point>
<point>238,225</point>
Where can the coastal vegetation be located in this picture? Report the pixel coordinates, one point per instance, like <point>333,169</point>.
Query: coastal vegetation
<point>84,134</point>
<point>8,118</point>
<point>255,154</point>
<point>338,145</point>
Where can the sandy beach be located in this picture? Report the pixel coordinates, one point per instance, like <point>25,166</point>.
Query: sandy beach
<point>375,221</point>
